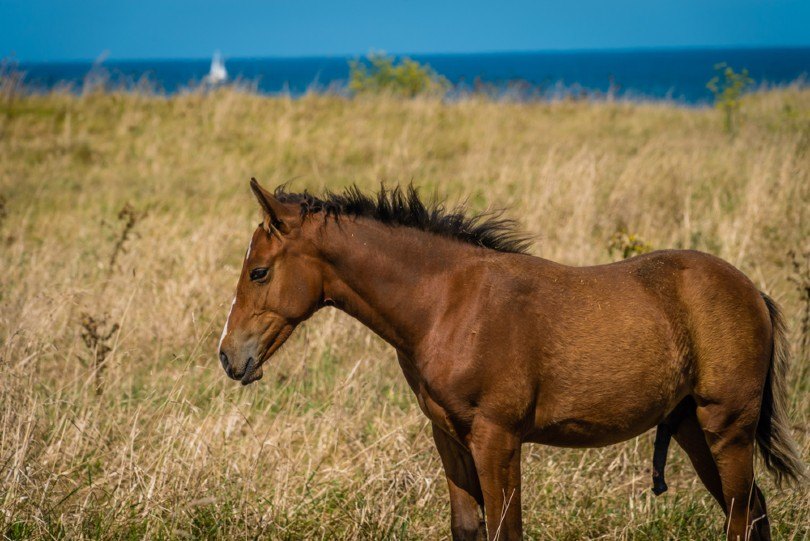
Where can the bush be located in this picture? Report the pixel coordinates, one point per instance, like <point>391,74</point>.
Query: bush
<point>728,87</point>
<point>378,73</point>
<point>627,244</point>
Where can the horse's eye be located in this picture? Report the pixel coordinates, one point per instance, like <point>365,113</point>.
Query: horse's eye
<point>258,274</point>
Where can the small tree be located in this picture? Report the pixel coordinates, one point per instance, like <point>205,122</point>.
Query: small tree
<point>728,87</point>
<point>379,73</point>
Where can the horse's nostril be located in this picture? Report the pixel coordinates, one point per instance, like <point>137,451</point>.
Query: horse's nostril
<point>223,359</point>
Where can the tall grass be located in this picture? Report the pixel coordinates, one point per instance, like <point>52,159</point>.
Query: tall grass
<point>330,444</point>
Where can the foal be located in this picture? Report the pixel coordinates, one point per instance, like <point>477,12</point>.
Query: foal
<point>503,348</point>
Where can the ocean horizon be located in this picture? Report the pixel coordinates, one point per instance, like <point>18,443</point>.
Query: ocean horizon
<point>678,75</point>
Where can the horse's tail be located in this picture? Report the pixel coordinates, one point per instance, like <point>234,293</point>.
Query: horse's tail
<point>773,430</point>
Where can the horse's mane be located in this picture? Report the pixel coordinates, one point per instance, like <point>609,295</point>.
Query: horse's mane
<point>398,206</point>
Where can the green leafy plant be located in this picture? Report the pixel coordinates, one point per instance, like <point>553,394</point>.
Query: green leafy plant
<point>379,73</point>
<point>627,244</point>
<point>728,87</point>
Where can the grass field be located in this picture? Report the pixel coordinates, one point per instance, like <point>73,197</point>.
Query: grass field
<point>156,442</point>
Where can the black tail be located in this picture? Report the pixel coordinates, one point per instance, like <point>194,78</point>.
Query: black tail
<point>773,430</point>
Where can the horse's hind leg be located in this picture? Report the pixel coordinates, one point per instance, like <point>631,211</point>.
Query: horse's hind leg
<point>730,435</point>
<point>731,345</point>
<point>690,437</point>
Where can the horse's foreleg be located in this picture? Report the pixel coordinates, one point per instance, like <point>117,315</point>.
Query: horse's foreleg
<point>496,452</point>
<point>662,437</point>
<point>466,499</point>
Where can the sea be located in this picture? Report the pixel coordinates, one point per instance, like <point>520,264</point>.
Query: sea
<point>678,75</point>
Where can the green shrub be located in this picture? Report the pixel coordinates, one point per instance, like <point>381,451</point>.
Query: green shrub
<point>379,73</point>
<point>728,87</point>
<point>627,244</point>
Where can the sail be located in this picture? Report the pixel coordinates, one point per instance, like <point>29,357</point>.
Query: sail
<point>217,73</point>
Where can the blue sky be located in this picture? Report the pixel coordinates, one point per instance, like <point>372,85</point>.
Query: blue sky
<point>43,30</point>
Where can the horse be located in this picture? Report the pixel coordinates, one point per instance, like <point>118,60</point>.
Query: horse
<point>503,348</point>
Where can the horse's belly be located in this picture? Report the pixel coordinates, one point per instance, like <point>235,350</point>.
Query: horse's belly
<point>583,432</point>
<point>607,409</point>
<point>615,381</point>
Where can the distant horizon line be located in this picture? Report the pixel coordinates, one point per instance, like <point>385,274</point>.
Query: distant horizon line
<point>103,57</point>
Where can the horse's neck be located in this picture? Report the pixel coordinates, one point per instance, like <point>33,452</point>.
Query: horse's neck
<point>392,279</point>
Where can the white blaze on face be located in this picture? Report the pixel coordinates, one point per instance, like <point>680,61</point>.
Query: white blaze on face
<point>250,247</point>
<point>225,329</point>
<point>227,321</point>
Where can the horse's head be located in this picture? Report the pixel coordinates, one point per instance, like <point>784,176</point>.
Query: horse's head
<point>280,286</point>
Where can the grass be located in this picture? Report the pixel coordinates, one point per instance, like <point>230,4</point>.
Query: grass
<point>152,440</point>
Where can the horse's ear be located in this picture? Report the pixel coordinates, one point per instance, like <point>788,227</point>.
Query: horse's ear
<point>278,216</point>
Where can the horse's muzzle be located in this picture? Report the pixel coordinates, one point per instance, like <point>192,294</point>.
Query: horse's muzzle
<point>250,373</point>
<point>253,372</point>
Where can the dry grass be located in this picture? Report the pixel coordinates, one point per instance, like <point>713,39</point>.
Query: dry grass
<point>331,444</point>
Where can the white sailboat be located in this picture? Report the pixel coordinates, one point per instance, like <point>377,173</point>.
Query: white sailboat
<point>218,74</point>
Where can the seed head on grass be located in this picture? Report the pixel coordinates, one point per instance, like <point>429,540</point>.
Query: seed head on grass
<point>129,218</point>
<point>96,334</point>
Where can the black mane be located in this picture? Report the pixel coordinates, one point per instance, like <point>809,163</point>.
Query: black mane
<point>403,207</point>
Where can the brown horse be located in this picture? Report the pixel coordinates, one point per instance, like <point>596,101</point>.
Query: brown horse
<point>503,348</point>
